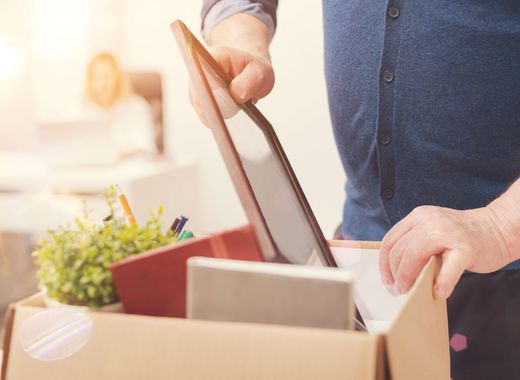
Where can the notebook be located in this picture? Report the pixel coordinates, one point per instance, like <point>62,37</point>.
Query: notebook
<point>282,294</point>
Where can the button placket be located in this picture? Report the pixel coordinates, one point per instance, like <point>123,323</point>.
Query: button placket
<point>388,76</point>
<point>384,138</point>
<point>387,193</point>
<point>385,122</point>
<point>393,12</point>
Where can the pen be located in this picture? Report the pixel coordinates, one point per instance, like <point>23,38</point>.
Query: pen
<point>180,226</point>
<point>126,207</point>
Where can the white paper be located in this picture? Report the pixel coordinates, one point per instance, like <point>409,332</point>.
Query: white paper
<point>377,305</point>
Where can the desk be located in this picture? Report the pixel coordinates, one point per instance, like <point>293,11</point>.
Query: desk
<point>35,197</point>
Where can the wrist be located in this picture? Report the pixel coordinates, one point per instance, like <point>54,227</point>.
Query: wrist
<point>507,219</point>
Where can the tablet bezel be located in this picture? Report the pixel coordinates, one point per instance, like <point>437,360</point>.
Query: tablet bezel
<point>191,49</point>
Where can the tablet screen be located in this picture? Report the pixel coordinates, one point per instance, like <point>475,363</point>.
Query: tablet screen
<point>279,204</point>
<point>267,187</point>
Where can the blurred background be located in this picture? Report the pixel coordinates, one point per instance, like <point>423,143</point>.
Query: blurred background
<point>94,92</point>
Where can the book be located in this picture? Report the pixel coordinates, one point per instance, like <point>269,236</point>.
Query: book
<point>154,282</point>
<point>229,290</point>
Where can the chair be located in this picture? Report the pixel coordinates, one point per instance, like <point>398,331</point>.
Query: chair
<point>149,86</point>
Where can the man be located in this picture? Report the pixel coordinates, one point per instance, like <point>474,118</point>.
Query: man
<point>424,98</point>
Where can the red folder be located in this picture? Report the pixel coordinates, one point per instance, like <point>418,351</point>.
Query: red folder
<point>154,282</point>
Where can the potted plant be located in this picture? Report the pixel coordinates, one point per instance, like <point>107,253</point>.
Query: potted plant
<point>74,260</point>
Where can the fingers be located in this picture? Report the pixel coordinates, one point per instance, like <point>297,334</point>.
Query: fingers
<point>426,232</point>
<point>384,268</point>
<point>390,239</point>
<point>254,82</point>
<point>253,77</point>
<point>231,60</point>
<point>409,245</point>
<point>454,263</point>
<point>411,254</point>
<point>196,105</point>
<point>413,251</point>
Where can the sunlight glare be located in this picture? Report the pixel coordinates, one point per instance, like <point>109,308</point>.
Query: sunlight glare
<point>8,61</point>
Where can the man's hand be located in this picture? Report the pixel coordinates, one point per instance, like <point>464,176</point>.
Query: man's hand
<point>476,240</point>
<point>240,44</point>
<point>253,76</point>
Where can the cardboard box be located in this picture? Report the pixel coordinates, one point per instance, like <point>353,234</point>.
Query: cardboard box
<point>135,347</point>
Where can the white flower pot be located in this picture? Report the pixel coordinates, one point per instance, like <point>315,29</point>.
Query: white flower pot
<point>51,303</point>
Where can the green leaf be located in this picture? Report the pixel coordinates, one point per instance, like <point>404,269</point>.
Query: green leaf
<point>74,260</point>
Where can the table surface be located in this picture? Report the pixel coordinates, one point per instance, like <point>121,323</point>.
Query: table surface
<point>35,197</point>
<point>28,172</point>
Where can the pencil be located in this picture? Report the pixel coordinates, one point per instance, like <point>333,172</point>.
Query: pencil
<point>126,207</point>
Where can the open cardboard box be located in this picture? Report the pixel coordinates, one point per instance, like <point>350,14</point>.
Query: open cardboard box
<point>129,347</point>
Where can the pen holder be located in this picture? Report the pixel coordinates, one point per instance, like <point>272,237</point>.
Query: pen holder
<point>154,282</point>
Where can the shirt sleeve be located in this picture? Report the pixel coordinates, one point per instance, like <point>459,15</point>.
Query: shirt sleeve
<point>214,11</point>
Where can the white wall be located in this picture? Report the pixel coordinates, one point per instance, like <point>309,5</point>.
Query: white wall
<point>297,107</point>
<point>54,39</point>
<point>60,36</point>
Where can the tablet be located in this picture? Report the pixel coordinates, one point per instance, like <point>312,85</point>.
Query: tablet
<point>271,196</point>
<point>274,203</point>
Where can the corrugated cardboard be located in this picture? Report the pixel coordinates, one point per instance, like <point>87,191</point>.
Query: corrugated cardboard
<point>135,347</point>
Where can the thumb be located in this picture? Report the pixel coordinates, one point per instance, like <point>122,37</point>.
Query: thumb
<point>255,81</point>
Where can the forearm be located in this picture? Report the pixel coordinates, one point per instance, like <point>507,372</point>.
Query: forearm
<point>506,210</point>
<point>243,32</point>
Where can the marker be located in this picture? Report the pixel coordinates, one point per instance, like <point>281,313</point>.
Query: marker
<point>126,207</point>
<point>180,226</point>
<point>175,224</point>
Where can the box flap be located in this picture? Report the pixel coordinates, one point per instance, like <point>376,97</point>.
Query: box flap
<point>8,325</point>
<point>34,300</point>
<point>136,347</point>
<point>382,372</point>
<point>417,343</point>
<point>355,244</point>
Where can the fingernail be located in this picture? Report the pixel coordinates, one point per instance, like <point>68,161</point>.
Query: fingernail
<point>391,290</point>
